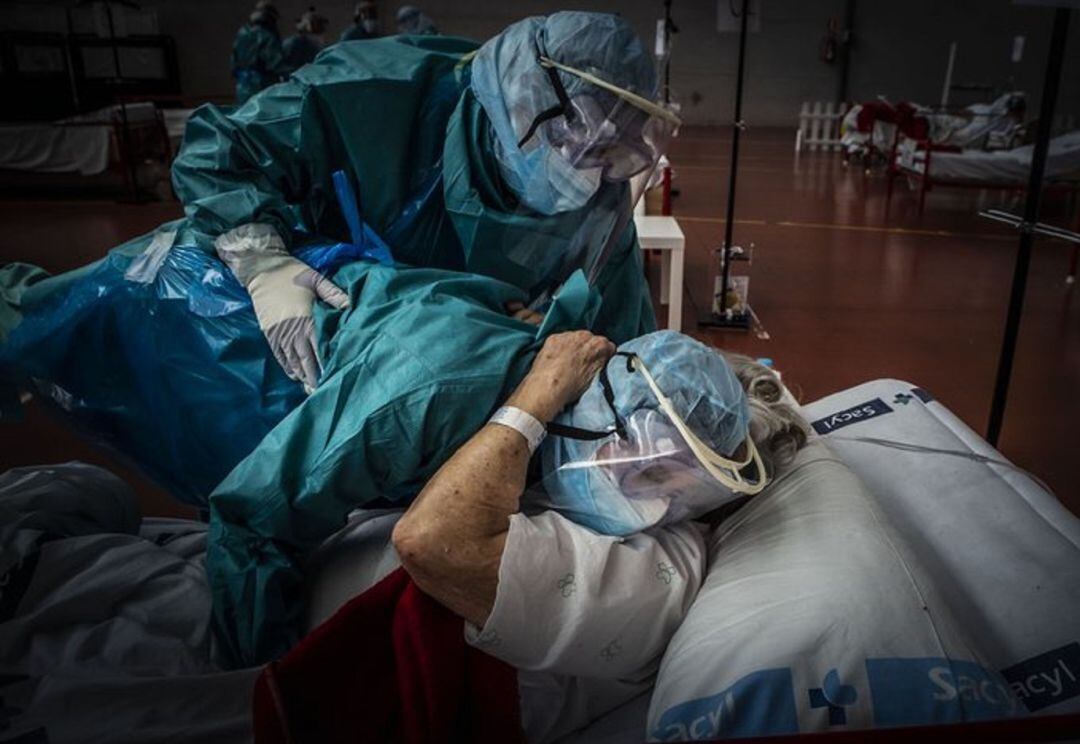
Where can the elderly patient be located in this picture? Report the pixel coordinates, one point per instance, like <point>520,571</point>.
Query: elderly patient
<point>586,616</point>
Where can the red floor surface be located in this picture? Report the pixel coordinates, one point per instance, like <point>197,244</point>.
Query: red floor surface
<point>844,293</point>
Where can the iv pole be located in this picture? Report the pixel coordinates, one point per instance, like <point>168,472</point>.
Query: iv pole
<point>726,318</point>
<point>1028,226</point>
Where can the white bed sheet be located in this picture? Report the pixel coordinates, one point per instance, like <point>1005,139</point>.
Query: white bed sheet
<point>175,122</point>
<point>1001,166</point>
<point>84,146</point>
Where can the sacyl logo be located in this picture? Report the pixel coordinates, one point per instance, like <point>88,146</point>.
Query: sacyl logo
<point>908,691</point>
<point>1047,678</point>
<point>759,704</point>
<point>950,685</point>
<point>853,415</point>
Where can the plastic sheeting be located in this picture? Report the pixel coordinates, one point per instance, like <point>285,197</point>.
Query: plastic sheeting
<point>155,351</point>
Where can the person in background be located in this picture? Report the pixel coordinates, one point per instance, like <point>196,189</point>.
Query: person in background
<point>301,48</point>
<point>257,55</point>
<point>411,20</point>
<point>365,22</point>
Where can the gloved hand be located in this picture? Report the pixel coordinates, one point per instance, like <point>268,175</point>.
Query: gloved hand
<point>283,291</point>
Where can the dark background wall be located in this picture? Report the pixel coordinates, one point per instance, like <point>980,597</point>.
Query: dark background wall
<point>900,51</point>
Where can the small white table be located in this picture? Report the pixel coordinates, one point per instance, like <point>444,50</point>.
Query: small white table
<point>662,233</point>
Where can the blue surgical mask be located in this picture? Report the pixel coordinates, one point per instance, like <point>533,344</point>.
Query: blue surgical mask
<point>545,181</point>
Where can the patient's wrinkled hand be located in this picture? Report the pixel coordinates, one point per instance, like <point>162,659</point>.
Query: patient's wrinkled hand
<point>518,311</point>
<point>561,372</point>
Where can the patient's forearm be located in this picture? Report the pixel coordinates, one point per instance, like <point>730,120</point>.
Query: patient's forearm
<point>451,539</point>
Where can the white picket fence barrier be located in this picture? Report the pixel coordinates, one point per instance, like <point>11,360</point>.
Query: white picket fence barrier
<point>819,126</point>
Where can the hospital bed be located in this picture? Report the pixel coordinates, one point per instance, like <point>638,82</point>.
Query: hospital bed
<point>1002,552</point>
<point>927,165</point>
<point>873,130</point>
<point>108,147</point>
<point>175,119</point>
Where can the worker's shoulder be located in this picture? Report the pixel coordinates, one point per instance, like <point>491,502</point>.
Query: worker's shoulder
<point>258,32</point>
<point>386,57</point>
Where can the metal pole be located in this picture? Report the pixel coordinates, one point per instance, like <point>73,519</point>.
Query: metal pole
<point>847,38</point>
<point>1031,216</point>
<point>70,61</point>
<point>125,132</point>
<point>948,76</point>
<point>668,27</point>
<point>736,129</point>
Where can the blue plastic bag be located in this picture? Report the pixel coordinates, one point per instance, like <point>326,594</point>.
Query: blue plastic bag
<point>155,352</point>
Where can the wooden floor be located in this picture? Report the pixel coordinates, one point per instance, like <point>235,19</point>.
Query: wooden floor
<point>844,293</point>
<point>848,294</point>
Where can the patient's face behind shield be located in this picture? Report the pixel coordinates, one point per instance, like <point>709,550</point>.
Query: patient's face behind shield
<point>652,470</point>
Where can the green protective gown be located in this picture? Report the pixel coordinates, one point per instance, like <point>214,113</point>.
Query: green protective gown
<point>257,60</point>
<point>397,115</point>
<point>413,369</point>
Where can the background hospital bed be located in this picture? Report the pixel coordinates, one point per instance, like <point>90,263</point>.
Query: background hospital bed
<point>926,165</point>
<point>124,148</point>
<point>1007,552</point>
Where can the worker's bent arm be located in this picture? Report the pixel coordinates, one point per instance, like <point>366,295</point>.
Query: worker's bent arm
<point>452,538</point>
<point>245,165</point>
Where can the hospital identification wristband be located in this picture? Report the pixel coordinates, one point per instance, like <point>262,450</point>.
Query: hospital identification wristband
<point>523,422</point>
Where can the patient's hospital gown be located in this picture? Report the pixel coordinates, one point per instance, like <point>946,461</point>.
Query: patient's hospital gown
<point>585,618</point>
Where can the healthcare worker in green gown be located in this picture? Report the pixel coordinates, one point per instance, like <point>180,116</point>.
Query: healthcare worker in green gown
<point>302,47</point>
<point>411,20</point>
<point>365,22</point>
<point>511,161</point>
<point>256,55</point>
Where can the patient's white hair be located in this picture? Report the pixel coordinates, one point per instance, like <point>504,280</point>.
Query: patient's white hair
<point>776,427</point>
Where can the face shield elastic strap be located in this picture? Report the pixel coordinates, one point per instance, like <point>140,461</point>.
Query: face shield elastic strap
<point>588,435</point>
<point>649,107</point>
<point>562,108</point>
<point>727,472</point>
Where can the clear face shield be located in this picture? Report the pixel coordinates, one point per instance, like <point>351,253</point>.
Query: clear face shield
<point>600,134</point>
<point>644,470</point>
<point>603,127</point>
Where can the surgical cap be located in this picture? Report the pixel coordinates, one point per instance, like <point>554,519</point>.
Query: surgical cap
<point>513,89</point>
<point>311,22</point>
<point>622,484</point>
<point>265,12</point>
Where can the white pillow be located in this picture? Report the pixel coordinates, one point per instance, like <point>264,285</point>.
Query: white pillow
<point>814,616</point>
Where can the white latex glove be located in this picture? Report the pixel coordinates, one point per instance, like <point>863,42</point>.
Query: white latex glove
<point>283,291</point>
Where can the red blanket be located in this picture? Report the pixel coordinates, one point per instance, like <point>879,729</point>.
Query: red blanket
<point>903,114</point>
<point>391,666</point>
